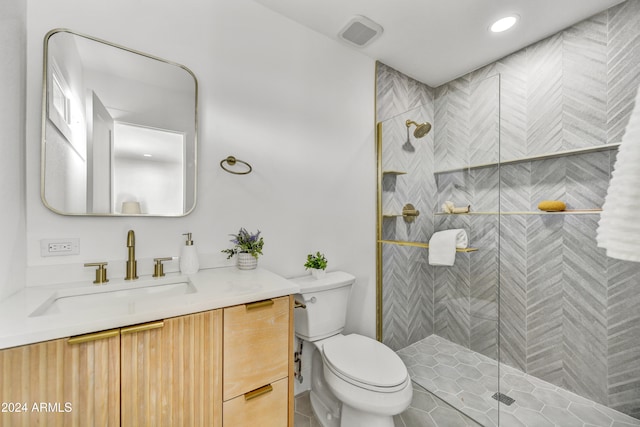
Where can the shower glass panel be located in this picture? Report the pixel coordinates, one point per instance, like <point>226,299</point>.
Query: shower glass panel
<point>443,320</point>
<point>569,318</point>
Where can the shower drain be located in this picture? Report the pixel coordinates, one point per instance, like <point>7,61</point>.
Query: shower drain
<point>503,398</point>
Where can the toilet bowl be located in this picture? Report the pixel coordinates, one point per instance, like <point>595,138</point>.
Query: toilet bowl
<point>356,381</point>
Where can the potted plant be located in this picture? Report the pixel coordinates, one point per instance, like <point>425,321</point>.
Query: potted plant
<point>248,246</point>
<point>317,264</point>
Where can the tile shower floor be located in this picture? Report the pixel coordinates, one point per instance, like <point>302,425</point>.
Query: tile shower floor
<point>467,380</point>
<point>426,410</point>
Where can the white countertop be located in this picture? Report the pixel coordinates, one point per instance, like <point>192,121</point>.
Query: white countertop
<point>209,289</point>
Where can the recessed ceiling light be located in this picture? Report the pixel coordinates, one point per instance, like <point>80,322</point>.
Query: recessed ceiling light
<point>503,24</point>
<point>147,155</point>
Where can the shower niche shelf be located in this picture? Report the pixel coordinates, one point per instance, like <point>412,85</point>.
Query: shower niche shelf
<point>422,245</point>
<point>392,172</point>
<point>565,212</point>
<point>594,149</point>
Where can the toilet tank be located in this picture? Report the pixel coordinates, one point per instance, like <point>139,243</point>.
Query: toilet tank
<point>326,300</point>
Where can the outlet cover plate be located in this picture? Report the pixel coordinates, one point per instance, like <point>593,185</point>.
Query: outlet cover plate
<point>59,247</point>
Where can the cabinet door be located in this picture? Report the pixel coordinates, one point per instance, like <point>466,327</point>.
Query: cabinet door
<point>171,372</point>
<point>70,382</point>
<point>256,345</point>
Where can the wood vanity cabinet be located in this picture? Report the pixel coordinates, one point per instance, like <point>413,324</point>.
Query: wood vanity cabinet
<point>170,372</point>
<point>62,382</point>
<point>173,372</point>
<point>165,373</point>
<point>258,377</point>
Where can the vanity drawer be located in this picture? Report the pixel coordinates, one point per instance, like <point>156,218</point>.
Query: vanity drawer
<point>265,407</point>
<point>256,345</point>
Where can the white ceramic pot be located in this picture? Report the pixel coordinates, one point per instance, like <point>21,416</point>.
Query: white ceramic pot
<point>318,273</point>
<point>247,261</point>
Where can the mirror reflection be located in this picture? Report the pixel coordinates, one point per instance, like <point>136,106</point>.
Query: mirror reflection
<point>119,130</point>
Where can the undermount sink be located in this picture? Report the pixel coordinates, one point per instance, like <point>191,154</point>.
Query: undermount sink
<point>118,300</point>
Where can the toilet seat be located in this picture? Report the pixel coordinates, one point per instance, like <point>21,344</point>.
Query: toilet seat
<point>365,363</point>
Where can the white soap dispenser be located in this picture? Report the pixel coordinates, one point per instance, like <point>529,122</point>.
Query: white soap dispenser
<point>189,263</point>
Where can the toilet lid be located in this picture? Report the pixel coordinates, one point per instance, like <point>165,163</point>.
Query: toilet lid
<point>365,361</point>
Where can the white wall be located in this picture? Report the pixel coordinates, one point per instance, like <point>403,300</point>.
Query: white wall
<point>296,105</point>
<point>12,105</point>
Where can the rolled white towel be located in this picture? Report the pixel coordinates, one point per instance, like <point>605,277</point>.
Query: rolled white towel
<point>443,244</point>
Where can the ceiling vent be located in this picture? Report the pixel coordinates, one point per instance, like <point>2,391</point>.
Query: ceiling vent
<point>360,31</point>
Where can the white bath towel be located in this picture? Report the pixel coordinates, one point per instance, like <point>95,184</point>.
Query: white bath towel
<point>619,230</point>
<point>443,244</point>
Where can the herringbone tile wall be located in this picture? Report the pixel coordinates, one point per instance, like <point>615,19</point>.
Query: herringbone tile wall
<point>568,314</point>
<point>407,277</point>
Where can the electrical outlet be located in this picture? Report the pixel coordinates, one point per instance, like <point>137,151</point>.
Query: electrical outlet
<point>59,247</point>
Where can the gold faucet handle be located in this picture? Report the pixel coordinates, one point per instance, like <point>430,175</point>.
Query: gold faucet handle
<point>158,268</point>
<point>101,271</point>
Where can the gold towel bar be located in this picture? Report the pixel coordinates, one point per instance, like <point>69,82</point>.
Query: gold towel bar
<point>422,245</point>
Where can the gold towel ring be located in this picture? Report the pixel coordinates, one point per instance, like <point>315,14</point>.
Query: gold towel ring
<point>231,161</point>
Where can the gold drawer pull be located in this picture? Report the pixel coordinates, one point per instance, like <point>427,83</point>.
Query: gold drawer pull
<point>142,328</point>
<point>259,304</point>
<point>102,335</point>
<point>258,392</point>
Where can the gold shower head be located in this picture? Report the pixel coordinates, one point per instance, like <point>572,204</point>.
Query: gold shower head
<point>421,128</point>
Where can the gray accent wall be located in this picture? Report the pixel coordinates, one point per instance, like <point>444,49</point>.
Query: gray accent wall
<point>407,277</point>
<point>568,314</point>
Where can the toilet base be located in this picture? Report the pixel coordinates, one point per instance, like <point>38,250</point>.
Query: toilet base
<point>352,417</point>
<point>329,393</point>
<point>325,406</point>
<point>347,416</point>
<point>324,414</point>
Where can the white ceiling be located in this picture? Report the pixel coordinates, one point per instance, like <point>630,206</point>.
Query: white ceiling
<point>436,41</point>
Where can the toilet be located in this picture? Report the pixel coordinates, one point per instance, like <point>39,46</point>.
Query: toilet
<point>356,381</point>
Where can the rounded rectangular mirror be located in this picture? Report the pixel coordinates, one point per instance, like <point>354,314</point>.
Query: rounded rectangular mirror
<point>119,130</point>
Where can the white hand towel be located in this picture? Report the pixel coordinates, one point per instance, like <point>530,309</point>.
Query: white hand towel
<point>619,230</point>
<point>443,244</point>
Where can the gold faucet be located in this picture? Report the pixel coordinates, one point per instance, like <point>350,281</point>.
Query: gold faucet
<point>132,268</point>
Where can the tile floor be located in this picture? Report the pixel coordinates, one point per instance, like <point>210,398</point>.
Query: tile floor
<point>426,410</point>
<point>446,374</point>
<point>467,380</point>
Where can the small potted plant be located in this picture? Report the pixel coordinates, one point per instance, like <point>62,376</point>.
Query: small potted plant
<point>317,264</point>
<point>248,246</point>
